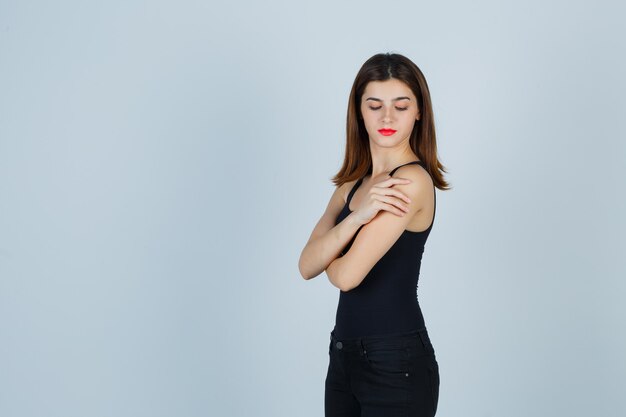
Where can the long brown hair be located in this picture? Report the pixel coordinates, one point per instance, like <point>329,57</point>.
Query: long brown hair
<point>358,160</point>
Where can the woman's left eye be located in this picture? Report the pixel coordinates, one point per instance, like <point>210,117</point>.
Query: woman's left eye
<point>401,108</point>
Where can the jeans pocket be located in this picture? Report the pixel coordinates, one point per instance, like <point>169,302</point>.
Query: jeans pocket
<point>389,361</point>
<point>426,343</point>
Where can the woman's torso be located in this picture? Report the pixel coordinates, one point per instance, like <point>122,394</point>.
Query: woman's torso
<point>386,300</point>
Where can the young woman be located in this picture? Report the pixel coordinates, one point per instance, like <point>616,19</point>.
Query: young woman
<point>370,241</point>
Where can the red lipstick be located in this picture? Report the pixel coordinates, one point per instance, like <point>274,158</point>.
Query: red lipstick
<point>386,132</point>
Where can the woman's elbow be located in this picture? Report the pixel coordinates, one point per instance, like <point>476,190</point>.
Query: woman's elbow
<point>305,272</point>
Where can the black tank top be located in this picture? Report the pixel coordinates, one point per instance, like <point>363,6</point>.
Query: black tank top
<point>386,301</point>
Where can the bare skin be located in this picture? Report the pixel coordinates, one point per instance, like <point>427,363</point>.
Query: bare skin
<point>364,201</point>
<point>327,239</point>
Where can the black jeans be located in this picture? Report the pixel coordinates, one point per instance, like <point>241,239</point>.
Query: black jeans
<point>384,376</point>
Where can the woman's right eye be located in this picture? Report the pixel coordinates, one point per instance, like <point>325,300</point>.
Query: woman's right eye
<point>375,108</point>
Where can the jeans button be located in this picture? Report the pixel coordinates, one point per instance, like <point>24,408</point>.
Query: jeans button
<point>339,345</point>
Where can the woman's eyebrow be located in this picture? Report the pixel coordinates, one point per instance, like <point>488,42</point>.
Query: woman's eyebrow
<point>395,99</point>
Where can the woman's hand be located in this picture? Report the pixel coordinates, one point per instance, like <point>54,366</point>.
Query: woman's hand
<point>382,197</point>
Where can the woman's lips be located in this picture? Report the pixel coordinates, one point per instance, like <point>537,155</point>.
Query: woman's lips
<point>386,132</point>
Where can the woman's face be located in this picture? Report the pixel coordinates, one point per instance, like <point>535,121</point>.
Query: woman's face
<point>389,104</point>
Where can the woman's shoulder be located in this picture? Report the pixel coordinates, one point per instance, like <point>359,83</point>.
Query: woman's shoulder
<point>415,172</point>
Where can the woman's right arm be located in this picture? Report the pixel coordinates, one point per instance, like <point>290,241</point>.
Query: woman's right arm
<point>327,240</point>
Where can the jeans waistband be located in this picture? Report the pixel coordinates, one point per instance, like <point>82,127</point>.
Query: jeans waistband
<point>392,340</point>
